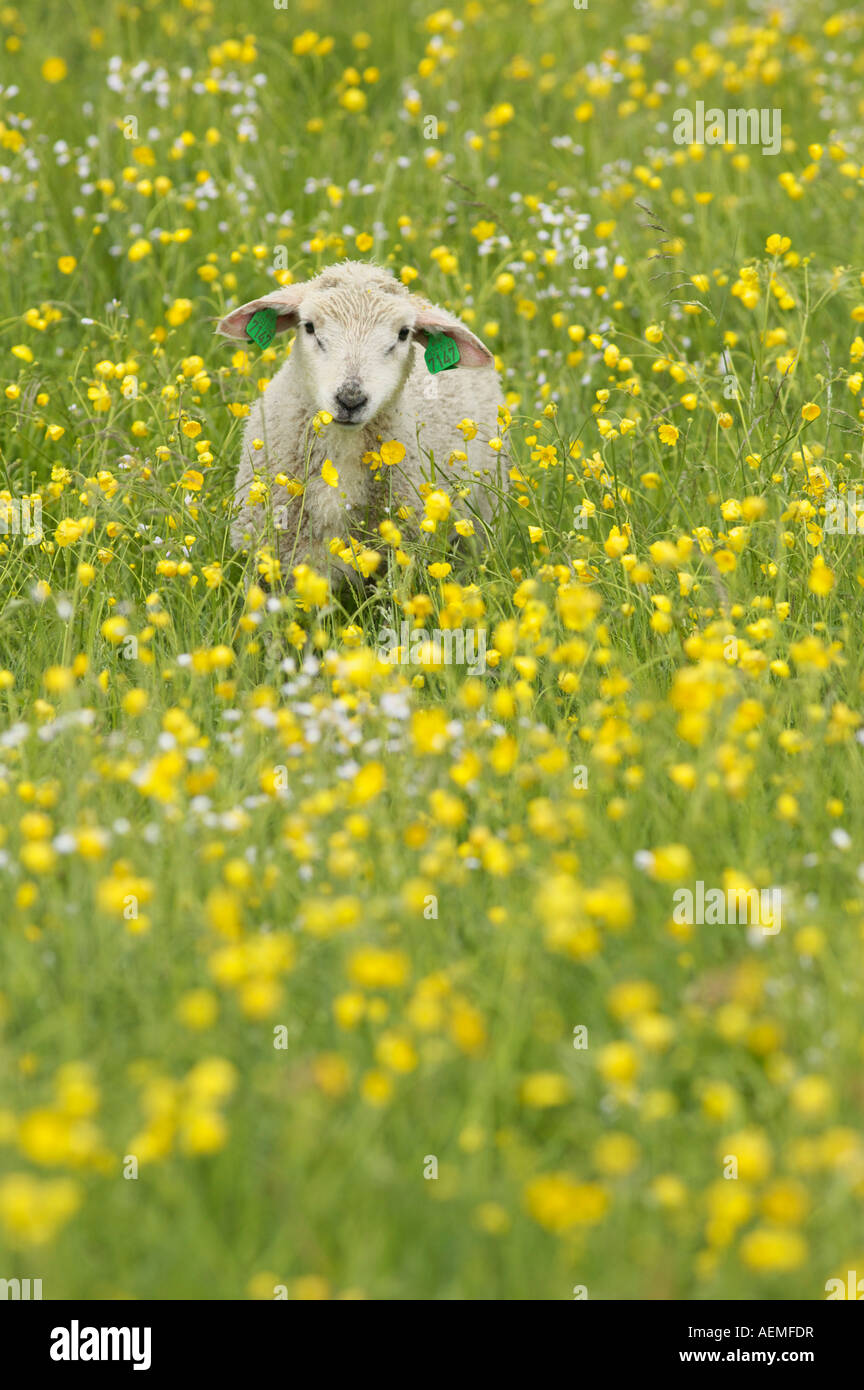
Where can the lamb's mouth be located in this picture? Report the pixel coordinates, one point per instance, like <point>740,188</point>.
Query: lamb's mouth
<point>346,420</point>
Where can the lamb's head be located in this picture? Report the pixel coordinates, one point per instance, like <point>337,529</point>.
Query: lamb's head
<point>356,328</point>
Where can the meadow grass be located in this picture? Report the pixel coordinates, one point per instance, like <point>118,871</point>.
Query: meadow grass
<point>328,977</point>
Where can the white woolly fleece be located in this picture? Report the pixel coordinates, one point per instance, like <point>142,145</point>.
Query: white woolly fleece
<point>351,316</point>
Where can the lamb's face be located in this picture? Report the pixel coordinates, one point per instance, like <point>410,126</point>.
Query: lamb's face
<point>355,352</point>
<point>355,326</point>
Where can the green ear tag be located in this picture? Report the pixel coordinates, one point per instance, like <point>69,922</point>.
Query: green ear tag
<point>262,326</point>
<point>441,353</point>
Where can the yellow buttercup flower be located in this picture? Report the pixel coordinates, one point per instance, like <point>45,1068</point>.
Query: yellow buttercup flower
<point>558,1202</point>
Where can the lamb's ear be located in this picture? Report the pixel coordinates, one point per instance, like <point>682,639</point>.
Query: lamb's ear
<point>284,301</point>
<point>430,319</point>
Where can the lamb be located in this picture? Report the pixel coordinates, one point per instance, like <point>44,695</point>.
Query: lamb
<point>358,355</point>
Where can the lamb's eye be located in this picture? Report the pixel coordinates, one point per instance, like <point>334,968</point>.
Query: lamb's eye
<point>403,334</point>
<point>310,327</point>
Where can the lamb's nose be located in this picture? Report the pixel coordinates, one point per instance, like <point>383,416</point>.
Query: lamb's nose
<point>351,395</point>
